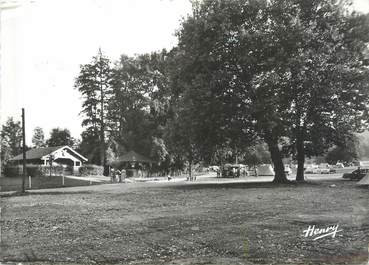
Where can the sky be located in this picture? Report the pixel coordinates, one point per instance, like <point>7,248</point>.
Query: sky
<point>43,43</point>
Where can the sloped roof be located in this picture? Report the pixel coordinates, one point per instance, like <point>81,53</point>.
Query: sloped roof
<point>132,156</point>
<point>37,153</point>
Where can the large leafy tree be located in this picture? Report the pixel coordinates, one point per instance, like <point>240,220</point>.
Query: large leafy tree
<point>225,51</point>
<point>90,146</point>
<point>204,86</point>
<point>38,138</point>
<point>285,68</point>
<point>11,139</point>
<point>140,103</point>
<point>182,132</point>
<point>256,155</point>
<point>59,137</point>
<point>128,108</point>
<point>321,73</point>
<point>341,154</point>
<point>93,82</point>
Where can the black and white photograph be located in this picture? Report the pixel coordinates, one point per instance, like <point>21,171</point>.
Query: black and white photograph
<point>184,132</point>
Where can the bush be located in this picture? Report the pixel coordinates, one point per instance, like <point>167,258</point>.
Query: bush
<point>88,170</point>
<point>55,170</point>
<point>17,171</point>
<point>13,171</point>
<point>33,170</point>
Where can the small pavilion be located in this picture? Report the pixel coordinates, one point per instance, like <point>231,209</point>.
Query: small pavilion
<point>134,163</point>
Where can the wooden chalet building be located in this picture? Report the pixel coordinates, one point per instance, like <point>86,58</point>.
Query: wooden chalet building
<point>59,155</point>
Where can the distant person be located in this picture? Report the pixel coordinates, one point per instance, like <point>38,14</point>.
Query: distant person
<point>117,175</point>
<point>122,175</point>
<point>112,175</point>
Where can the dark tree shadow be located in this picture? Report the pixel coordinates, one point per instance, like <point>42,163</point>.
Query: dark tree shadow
<point>242,185</point>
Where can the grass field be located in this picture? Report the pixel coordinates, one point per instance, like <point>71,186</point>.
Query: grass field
<point>187,223</point>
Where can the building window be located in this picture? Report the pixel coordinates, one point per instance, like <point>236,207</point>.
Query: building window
<point>78,163</point>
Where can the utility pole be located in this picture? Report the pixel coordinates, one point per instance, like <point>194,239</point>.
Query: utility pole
<point>24,151</point>
<point>51,158</point>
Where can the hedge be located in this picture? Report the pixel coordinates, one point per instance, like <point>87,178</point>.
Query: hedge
<point>88,170</point>
<point>33,170</point>
<point>55,170</point>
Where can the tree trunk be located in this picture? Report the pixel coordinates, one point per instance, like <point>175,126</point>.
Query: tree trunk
<point>102,126</point>
<point>280,175</point>
<point>300,155</point>
<point>190,169</point>
<point>221,166</point>
<point>102,150</point>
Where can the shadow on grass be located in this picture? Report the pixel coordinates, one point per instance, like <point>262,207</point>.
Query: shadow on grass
<point>27,193</point>
<point>362,187</point>
<point>244,185</point>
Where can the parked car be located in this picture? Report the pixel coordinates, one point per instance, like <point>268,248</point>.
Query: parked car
<point>339,165</point>
<point>357,174</point>
<point>311,169</point>
<point>325,170</point>
<point>214,168</point>
<point>364,164</point>
<point>231,171</point>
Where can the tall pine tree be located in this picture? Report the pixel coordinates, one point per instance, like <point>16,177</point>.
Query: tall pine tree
<point>93,82</point>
